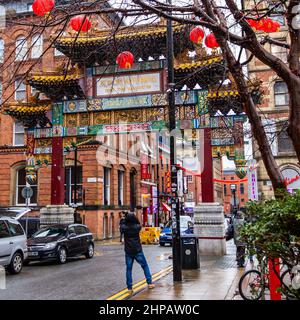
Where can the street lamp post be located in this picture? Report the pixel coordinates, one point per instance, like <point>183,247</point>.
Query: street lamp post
<point>175,206</point>
<point>233,190</point>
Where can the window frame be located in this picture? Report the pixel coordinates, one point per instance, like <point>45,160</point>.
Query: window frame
<point>106,185</point>
<point>285,139</point>
<point>68,175</point>
<point>18,84</point>
<point>2,50</point>
<point>121,173</point>
<point>19,133</point>
<point>276,94</point>
<point>1,90</point>
<point>37,45</point>
<point>21,50</point>
<point>17,185</point>
<point>242,188</point>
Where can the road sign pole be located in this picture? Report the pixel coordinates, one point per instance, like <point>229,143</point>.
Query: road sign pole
<point>27,205</point>
<point>27,193</point>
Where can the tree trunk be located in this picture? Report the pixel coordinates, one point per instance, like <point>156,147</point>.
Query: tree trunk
<point>294,117</point>
<point>257,127</point>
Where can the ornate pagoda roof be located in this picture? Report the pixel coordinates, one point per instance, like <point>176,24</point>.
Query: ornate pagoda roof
<point>226,97</point>
<point>98,46</point>
<point>30,113</point>
<point>205,71</point>
<point>58,84</point>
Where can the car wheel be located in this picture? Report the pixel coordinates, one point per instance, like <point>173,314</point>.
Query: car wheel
<point>16,263</point>
<point>90,252</point>
<point>162,244</point>
<point>62,255</point>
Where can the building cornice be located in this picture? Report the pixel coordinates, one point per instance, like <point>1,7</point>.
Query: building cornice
<point>12,149</point>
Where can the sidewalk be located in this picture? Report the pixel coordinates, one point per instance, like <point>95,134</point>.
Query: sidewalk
<point>217,279</point>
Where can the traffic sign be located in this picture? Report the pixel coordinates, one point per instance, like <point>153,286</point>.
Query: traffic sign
<point>27,192</point>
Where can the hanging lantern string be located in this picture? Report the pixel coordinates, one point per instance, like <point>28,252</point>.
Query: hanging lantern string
<point>215,180</point>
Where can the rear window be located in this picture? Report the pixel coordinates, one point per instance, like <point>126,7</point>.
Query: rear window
<point>81,230</point>
<point>15,229</point>
<point>4,233</point>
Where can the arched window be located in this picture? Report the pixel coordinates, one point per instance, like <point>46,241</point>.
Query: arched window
<point>37,46</point>
<point>21,48</point>
<point>290,173</point>
<point>1,50</point>
<point>281,94</point>
<point>20,184</point>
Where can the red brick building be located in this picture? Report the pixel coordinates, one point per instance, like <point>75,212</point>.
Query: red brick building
<point>274,110</point>
<point>233,191</point>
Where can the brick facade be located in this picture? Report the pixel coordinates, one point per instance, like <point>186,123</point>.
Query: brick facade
<point>241,193</point>
<point>274,112</point>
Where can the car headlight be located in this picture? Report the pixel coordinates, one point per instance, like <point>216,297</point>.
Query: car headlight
<point>162,234</point>
<point>50,245</point>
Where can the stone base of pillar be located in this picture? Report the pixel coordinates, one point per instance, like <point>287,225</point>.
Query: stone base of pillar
<point>210,228</point>
<point>56,214</point>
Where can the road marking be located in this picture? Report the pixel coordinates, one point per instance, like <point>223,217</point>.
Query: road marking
<point>137,284</point>
<point>140,285</point>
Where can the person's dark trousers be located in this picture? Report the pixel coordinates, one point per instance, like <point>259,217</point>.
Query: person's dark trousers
<point>240,255</point>
<point>121,236</point>
<point>141,260</point>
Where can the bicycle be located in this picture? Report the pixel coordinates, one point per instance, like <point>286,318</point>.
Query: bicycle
<point>254,282</point>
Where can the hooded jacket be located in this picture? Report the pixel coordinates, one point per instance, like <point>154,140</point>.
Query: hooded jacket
<point>131,230</point>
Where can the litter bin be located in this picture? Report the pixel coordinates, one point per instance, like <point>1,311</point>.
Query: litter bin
<point>190,252</point>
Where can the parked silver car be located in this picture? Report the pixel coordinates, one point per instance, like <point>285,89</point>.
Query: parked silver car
<point>13,245</point>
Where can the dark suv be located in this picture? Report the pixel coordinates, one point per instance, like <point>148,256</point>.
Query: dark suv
<point>59,242</point>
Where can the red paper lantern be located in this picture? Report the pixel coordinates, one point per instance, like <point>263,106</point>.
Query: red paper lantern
<point>43,7</point>
<point>276,26</point>
<point>80,23</point>
<point>268,25</point>
<point>252,23</point>
<point>211,41</point>
<point>125,60</point>
<point>197,35</point>
<point>261,24</point>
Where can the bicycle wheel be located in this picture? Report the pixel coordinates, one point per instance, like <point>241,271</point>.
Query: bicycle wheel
<point>251,285</point>
<point>286,284</point>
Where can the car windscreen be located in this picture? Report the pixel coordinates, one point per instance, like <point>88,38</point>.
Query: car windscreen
<point>50,232</point>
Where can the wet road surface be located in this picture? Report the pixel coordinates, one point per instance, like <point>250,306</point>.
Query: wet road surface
<point>80,278</point>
